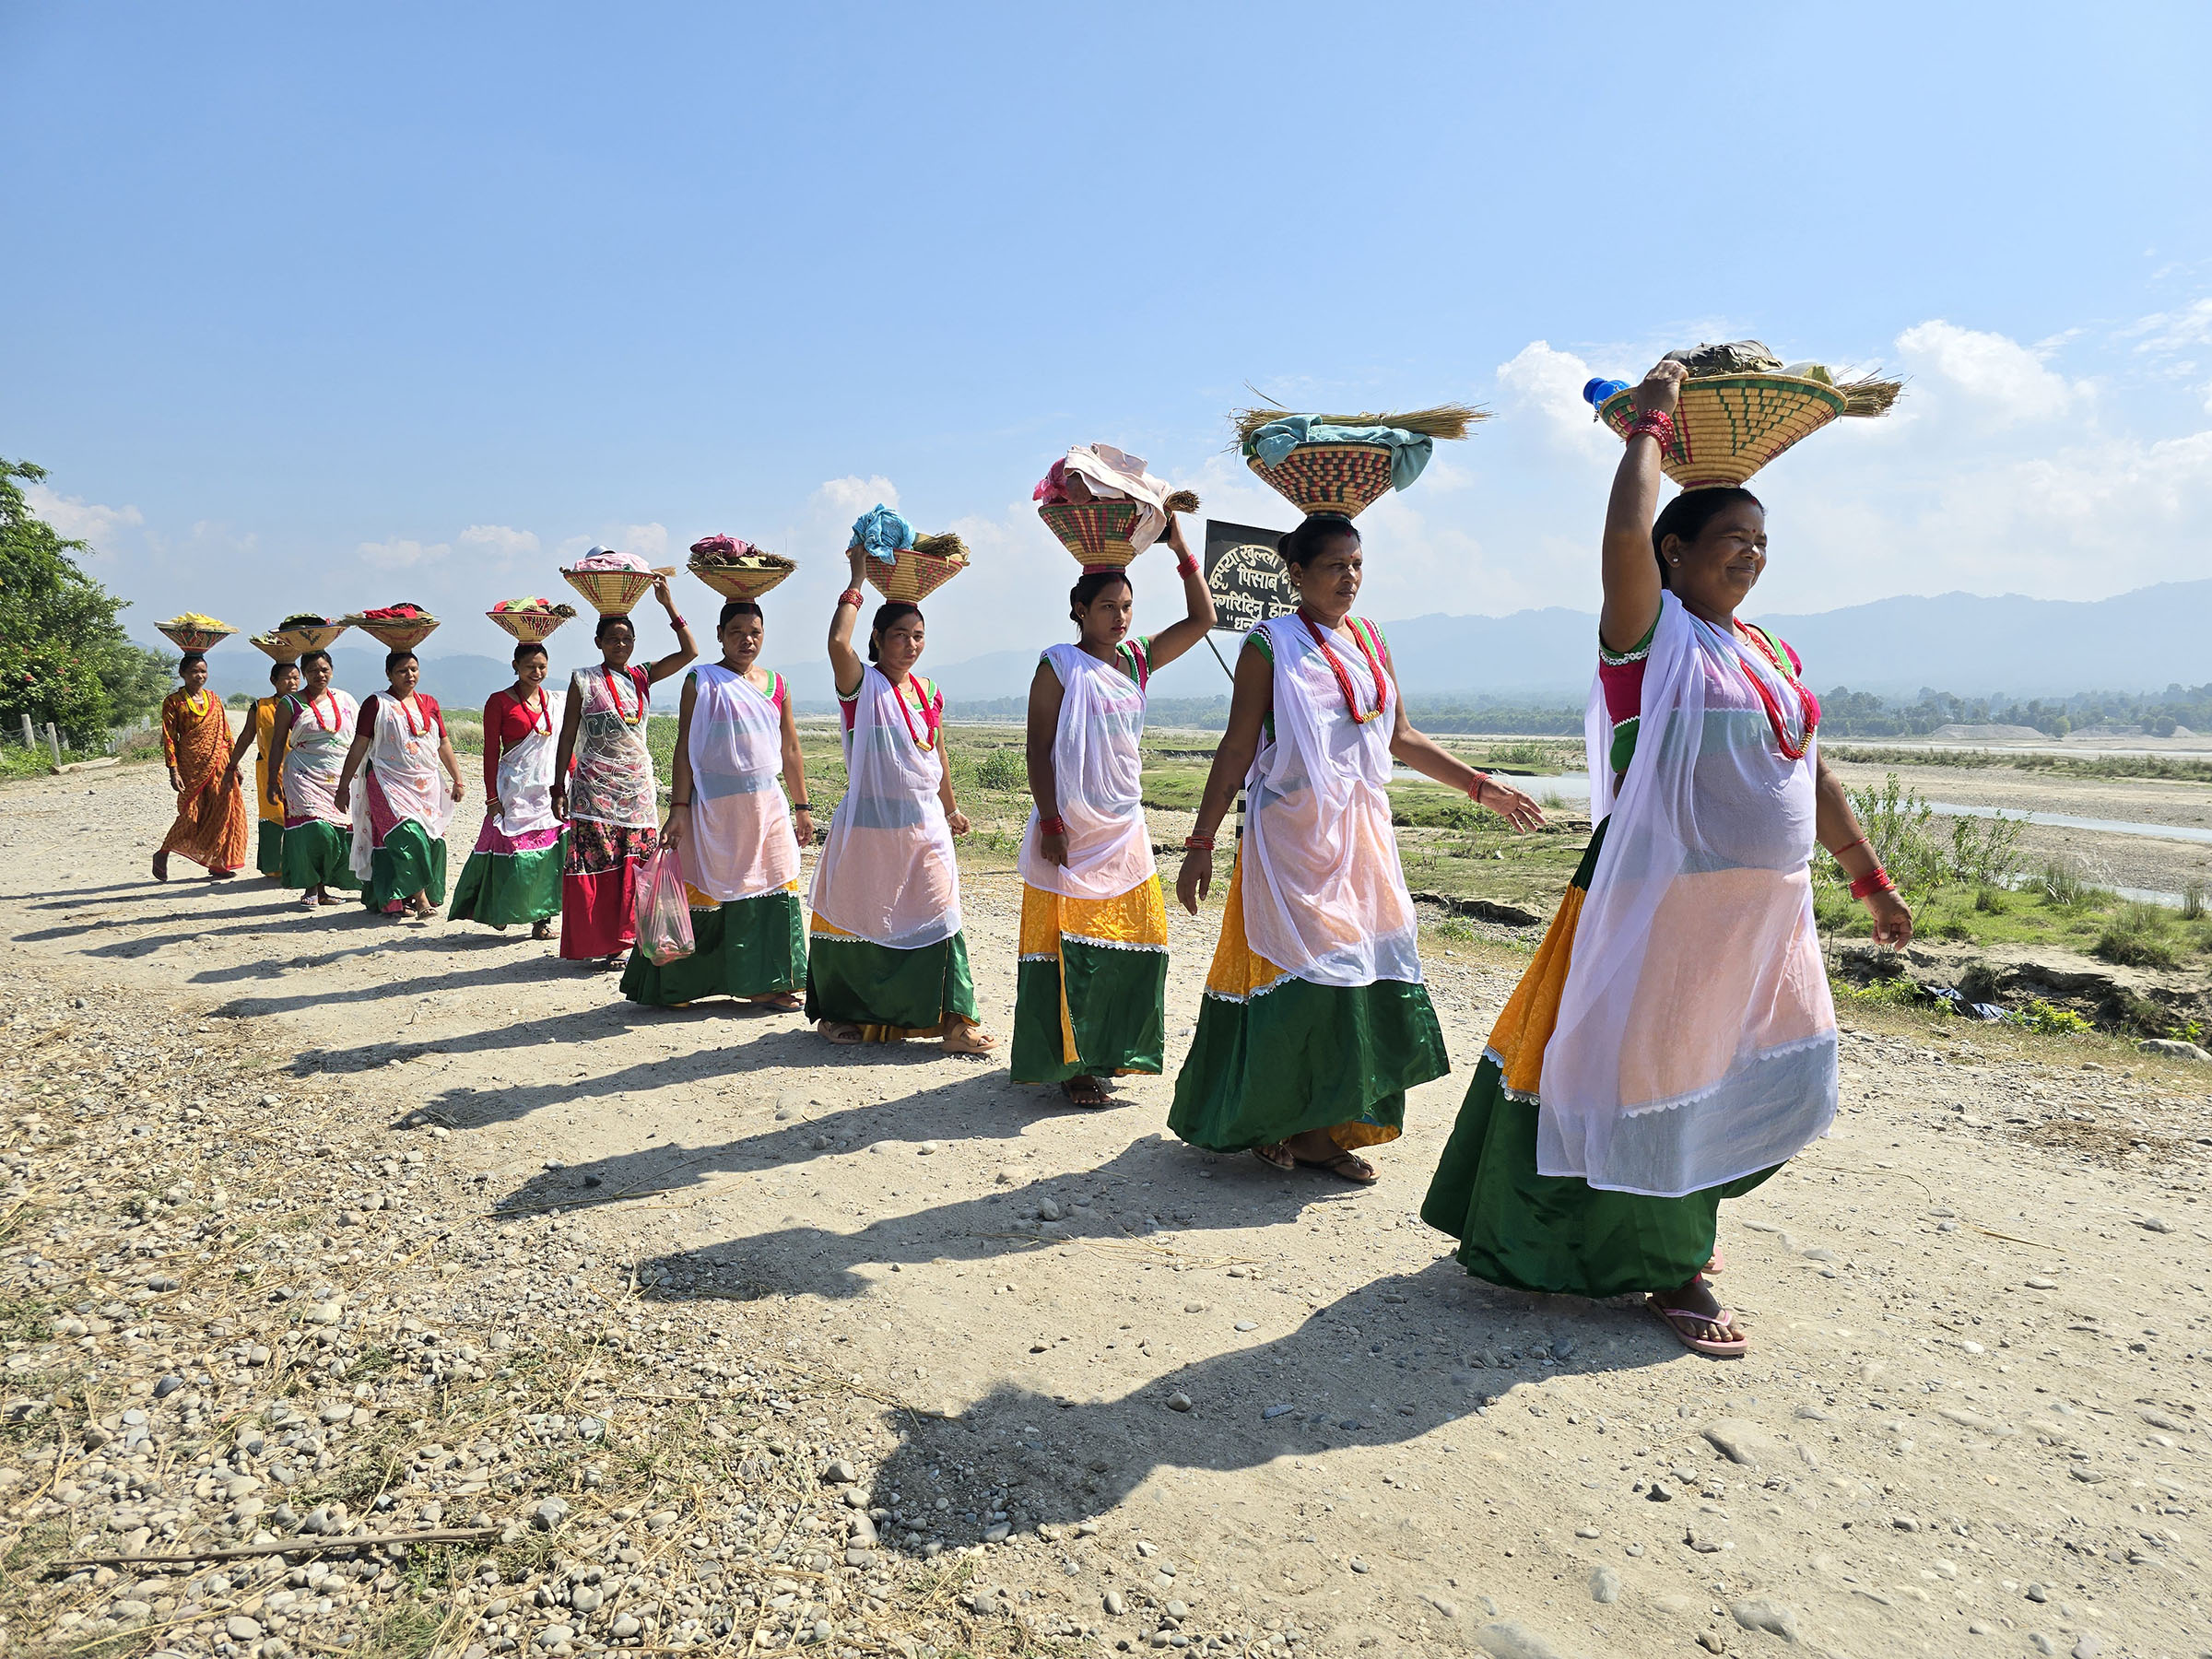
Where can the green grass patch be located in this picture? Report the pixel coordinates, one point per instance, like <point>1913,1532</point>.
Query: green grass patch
<point>2178,769</point>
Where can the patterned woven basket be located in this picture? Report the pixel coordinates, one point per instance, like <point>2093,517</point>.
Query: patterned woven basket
<point>196,638</point>
<point>396,634</point>
<point>1329,478</point>
<point>752,576</point>
<point>915,576</point>
<point>528,626</point>
<point>1729,426</point>
<point>273,647</point>
<point>307,639</point>
<point>1097,533</point>
<point>611,592</point>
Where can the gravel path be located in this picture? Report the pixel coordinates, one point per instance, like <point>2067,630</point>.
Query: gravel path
<point>322,1230</point>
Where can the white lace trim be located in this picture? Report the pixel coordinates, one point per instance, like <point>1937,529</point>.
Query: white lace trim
<point>1729,1077</point>
<point>1069,938</point>
<point>1230,996</point>
<point>1527,1095</point>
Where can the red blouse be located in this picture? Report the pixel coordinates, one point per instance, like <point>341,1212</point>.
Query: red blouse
<point>511,721</point>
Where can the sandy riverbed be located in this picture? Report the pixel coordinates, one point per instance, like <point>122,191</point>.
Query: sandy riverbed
<point>1974,1418</point>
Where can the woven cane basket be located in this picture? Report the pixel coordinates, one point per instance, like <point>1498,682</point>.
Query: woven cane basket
<point>1329,478</point>
<point>530,627</point>
<point>750,577</point>
<point>274,646</point>
<point>915,576</point>
<point>1729,426</point>
<point>1097,533</point>
<point>397,634</point>
<point>306,639</point>
<point>196,638</point>
<point>611,592</point>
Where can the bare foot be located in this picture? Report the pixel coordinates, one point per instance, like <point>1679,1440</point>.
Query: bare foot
<point>538,930</point>
<point>781,1002</point>
<point>1316,1150</point>
<point>842,1032</point>
<point>1275,1155</point>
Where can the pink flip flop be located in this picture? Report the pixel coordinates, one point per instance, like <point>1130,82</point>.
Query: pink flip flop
<point>1733,1347</point>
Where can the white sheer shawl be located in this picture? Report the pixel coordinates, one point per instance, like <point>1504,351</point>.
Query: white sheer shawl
<point>1096,765</point>
<point>886,873</point>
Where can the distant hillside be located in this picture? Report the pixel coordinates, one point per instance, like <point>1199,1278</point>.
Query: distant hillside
<point>2009,646</point>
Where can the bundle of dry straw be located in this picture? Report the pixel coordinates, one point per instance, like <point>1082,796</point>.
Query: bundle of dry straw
<point>1443,420</point>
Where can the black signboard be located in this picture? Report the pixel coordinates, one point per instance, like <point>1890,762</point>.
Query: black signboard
<point>1248,580</point>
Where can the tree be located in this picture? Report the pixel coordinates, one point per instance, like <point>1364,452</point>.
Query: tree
<point>63,653</point>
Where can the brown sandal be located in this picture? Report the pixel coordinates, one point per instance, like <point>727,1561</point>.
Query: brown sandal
<point>1345,1166</point>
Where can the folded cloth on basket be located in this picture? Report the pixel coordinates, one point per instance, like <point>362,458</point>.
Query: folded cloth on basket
<point>601,559</point>
<point>1112,474</point>
<point>883,533</point>
<point>1409,452</point>
<point>726,547</point>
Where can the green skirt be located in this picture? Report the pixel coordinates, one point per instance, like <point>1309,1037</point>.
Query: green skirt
<point>502,889</point>
<point>409,863</point>
<point>268,848</point>
<point>317,854</point>
<point>1091,987</point>
<point>889,994</point>
<point>748,947</point>
<point>1555,1233</point>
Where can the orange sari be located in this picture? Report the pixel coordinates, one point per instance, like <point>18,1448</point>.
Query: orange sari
<point>210,828</point>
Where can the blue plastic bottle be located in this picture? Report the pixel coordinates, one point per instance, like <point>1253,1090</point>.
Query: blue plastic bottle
<point>1596,392</point>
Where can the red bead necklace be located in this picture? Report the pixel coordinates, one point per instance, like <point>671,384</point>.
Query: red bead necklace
<point>616,698</point>
<point>924,739</point>
<point>1344,679</point>
<point>1808,705</point>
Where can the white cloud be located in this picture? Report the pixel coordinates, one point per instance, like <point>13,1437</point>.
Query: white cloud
<point>77,519</point>
<point>2010,379</point>
<point>855,495</point>
<point>498,541</point>
<point>397,554</point>
<point>2176,330</point>
<point>1548,384</point>
<point>647,541</point>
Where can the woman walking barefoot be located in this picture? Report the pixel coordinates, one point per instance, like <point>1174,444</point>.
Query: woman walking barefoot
<point>308,745</point>
<point>210,825</point>
<point>1673,1043</point>
<point>258,729</point>
<point>886,958</point>
<point>409,794</point>
<point>514,873</point>
<point>604,788</point>
<point>1093,974</point>
<point>729,825</point>
<point>1315,1021</point>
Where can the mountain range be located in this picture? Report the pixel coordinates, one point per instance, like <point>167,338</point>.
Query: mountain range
<point>2006,646</point>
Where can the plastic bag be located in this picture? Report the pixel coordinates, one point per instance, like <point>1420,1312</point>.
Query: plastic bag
<point>664,911</point>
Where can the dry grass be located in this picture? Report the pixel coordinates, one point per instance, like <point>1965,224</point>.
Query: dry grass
<point>944,545</point>
<point>1443,420</point>
<point>1873,394</point>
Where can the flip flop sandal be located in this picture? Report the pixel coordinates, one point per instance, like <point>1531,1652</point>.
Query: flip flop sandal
<point>788,1003</point>
<point>1285,1163</point>
<point>1345,1166</point>
<point>1717,1266</point>
<point>1731,1348</point>
<point>1086,1091</point>
<point>842,1032</point>
<point>972,1042</point>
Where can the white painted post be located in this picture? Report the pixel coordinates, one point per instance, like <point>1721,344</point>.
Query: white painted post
<point>54,741</point>
<point>30,741</point>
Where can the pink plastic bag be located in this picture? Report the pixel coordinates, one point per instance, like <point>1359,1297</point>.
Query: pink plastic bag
<point>664,911</point>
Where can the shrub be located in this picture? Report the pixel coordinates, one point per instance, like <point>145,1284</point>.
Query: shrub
<point>2192,900</point>
<point>1005,768</point>
<point>1985,853</point>
<point>1897,823</point>
<point>2140,935</point>
<point>2040,1016</point>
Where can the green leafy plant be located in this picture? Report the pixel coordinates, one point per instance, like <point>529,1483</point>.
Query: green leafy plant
<point>1985,853</point>
<point>1899,824</point>
<point>2050,1020</point>
<point>2140,934</point>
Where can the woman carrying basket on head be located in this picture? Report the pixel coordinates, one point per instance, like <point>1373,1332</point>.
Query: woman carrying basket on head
<point>1673,1043</point>
<point>210,825</point>
<point>729,826</point>
<point>514,873</point>
<point>1315,1021</point>
<point>1093,974</point>
<point>885,957</point>
<point>410,784</point>
<point>308,745</point>
<point>603,785</point>
<point>258,732</point>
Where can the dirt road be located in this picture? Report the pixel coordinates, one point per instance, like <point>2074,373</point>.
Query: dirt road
<point>1173,1400</point>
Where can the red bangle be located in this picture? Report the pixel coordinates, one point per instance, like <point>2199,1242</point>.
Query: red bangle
<point>1658,423</point>
<point>1198,843</point>
<point>1475,789</point>
<point>1187,565</point>
<point>1054,825</point>
<point>852,597</point>
<point>1875,880</point>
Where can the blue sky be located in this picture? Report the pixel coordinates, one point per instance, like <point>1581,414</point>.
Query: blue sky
<point>312,308</point>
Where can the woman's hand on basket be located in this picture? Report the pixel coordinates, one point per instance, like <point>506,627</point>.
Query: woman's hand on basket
<point>661,590</point>
<point>1509,803</point>
<point>1195,879</point>
<point>1892,919</point>
<point>1661,389</point>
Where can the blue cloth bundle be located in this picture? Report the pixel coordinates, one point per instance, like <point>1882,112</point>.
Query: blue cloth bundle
<point>883,533</point>
<point>1409,452</point>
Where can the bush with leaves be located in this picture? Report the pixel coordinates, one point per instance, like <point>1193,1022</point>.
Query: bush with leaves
<point>60,642</point>
<point>1899,825</point>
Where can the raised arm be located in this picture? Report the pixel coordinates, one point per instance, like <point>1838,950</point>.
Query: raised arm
<point>1631,574</point>
<point>564,751</point>
<point>795,776</point>
<point>1199,605</point>
<point>1046,694</point>
<point>1248,706</point>
<point>364,733</point>
<point>677,661</point>
<point>846,667</point>
<point>680,782</point>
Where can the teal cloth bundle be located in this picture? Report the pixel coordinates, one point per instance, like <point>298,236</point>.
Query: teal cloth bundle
<point>882,533</point>
<point>1409,452</point>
